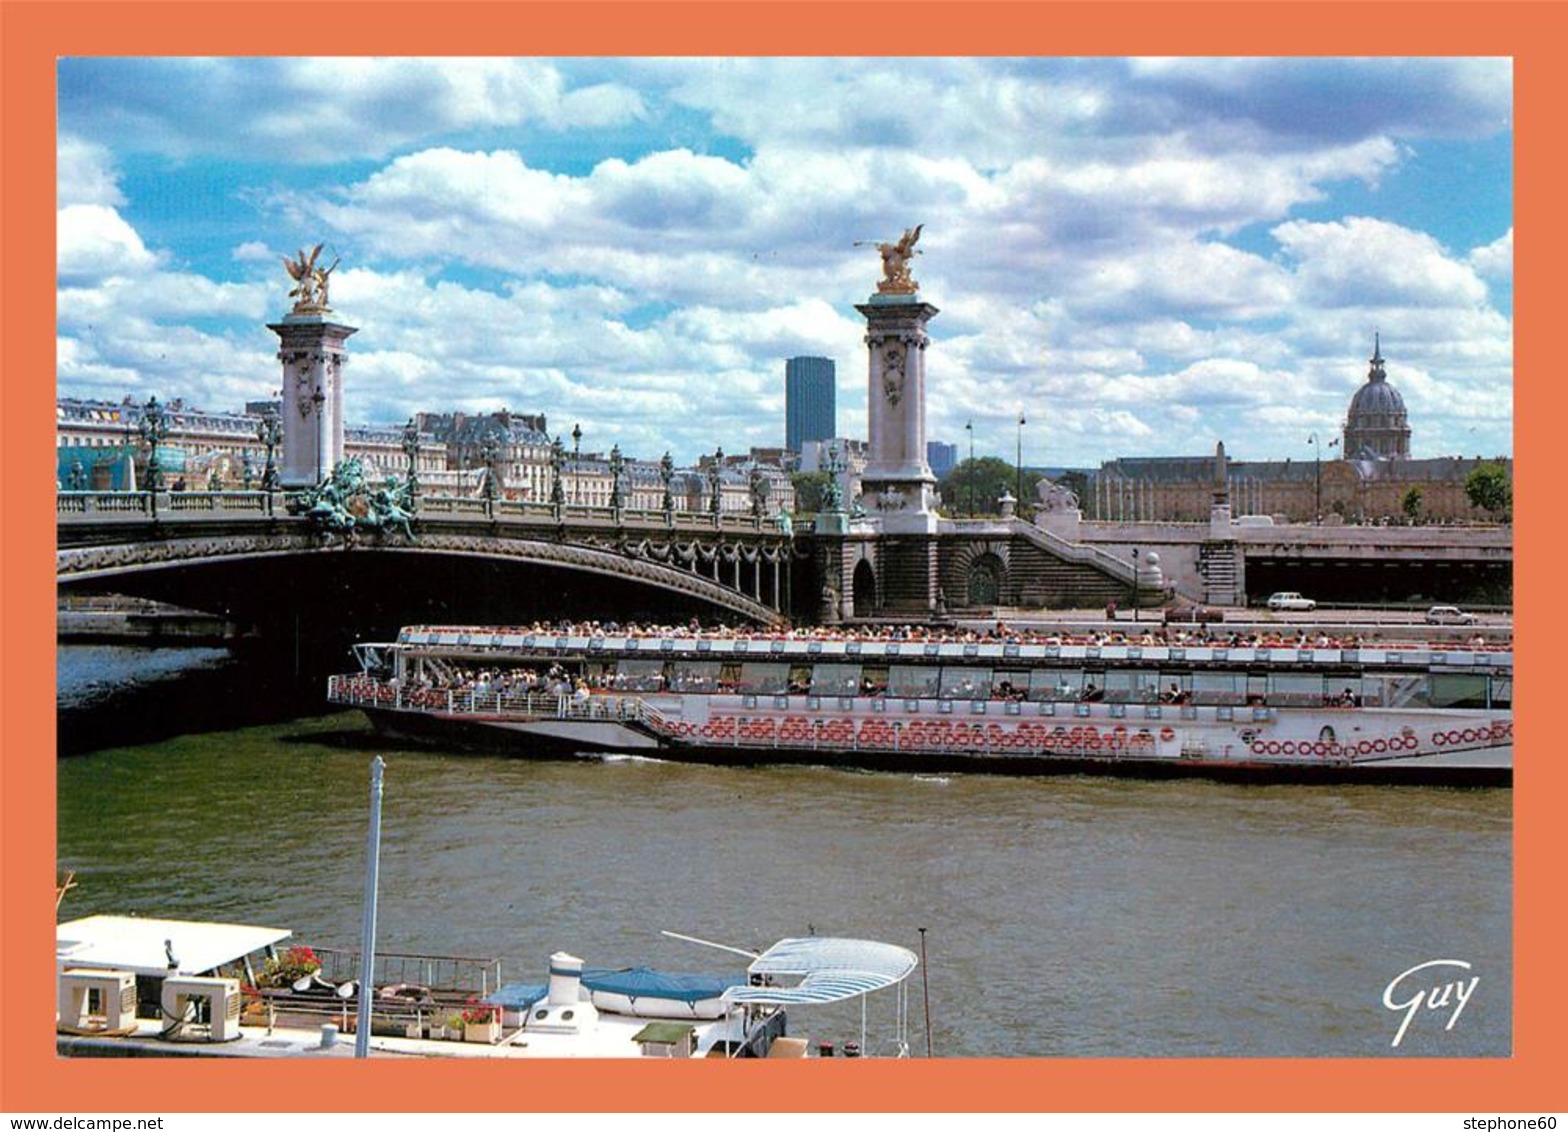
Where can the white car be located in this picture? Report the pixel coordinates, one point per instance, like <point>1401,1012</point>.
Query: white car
<point>1449,615</point>
<point>1291,600</point>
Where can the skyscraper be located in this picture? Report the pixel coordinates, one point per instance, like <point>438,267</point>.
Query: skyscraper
<point>810,411</point>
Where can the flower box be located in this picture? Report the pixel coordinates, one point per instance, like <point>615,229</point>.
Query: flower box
<point>487,1032</point>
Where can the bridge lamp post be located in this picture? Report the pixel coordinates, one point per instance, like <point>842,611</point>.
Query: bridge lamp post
<point>557,458</point>
<point>577,467</point>
<point>1135,583</point>
<point>269,431</point>
<point>1317,468</point>
<point>154,427</point>
<point>969,427</point>
<point>489,455</point>
<point>667,473</point>
<point>318,398</point>
<point>617,468</point>
<point>411,450</point>
<point>715,485</point>
<point>1018,491</point>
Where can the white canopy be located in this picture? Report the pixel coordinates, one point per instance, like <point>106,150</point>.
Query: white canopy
<point>130,943</point>
<point>829,970</point>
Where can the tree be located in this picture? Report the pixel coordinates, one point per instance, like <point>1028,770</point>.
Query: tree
<point>975,486</point>
<point>1411,504</point>
<point>1489,488</point>
<point>808,491</point>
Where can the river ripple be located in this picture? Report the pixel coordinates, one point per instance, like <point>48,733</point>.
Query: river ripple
<point>1065,916</point>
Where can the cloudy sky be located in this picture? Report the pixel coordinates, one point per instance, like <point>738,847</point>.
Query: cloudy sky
<point>1145,256</point>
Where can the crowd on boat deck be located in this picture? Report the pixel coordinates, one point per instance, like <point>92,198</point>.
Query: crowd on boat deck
<point>1197,635</point>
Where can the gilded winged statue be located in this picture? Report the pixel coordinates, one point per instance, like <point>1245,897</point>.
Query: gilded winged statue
<point>895,263</point>
<point>310,281</point>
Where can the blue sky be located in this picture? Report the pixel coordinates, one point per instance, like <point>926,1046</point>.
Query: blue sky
<point>1146,256</point>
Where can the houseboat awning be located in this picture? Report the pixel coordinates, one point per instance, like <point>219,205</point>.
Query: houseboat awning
<point>131,943</point>
<point>829,970</point>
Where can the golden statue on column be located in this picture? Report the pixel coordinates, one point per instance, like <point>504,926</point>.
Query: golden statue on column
<point>895,263</point>
<point>310,282</point>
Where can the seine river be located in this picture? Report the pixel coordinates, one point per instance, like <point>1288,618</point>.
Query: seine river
<point>1065,917</point>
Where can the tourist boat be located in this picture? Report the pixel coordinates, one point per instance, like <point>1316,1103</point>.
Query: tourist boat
<point>133,986</point>
<point>1414,711</point>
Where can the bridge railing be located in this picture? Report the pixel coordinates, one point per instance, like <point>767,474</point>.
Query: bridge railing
<point>88,506</point>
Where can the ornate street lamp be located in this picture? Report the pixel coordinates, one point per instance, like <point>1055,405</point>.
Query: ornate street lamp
<point>154,427</point>
<point>667,473</point>
<point>411,450</point>
<point>713,481</point>
<point>318,398</point>
<point>758,486</point>
<point>557,458</point>
<point>617,467</point>
<point>489,455</point>
<point>577,467</point>
<point>269,431</point>
<point>1317,462</point>
<point>1018,491</point>
<point>969,427</point>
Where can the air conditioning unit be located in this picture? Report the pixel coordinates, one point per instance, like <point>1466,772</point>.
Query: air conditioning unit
<point>196,1008</point>
<point>97,1001</point>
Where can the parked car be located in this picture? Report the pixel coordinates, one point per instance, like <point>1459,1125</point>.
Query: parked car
<point>1449,615</point>
<point>1289,599</point>
<point>1193,614</point>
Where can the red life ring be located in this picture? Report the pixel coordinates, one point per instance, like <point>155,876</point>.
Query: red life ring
<point>1287,748</point>
<point>1468,735</point>
<point>1258,747</point>
<point>1167,734</point>
<point>1439,739</point>
<point>1271,747</point>
<point>1379,746</point>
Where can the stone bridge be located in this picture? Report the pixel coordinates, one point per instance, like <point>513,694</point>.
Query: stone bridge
<point>736,565</point>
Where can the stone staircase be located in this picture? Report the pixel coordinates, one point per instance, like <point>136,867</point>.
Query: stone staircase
<point>1220,567</point>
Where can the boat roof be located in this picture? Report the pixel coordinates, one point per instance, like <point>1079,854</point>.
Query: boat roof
<point>480,640</point>
<point>133,943</point>
<point>829,969</point>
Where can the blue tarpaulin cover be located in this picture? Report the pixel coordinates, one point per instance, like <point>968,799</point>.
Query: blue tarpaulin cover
<point>640,982</point>
<point>516,996</point>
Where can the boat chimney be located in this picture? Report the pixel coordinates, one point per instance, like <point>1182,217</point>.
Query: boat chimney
<point>566,978</point>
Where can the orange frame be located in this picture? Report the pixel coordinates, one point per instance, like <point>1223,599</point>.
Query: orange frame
<point>35,34</point>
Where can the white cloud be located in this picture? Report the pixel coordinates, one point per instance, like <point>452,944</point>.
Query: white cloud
<point>1365,262</point>
<point>96,242</point>
<point>1495,260</point>
<point>85,174</point>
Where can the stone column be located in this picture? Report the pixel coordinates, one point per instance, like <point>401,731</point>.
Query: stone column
<point>897,485</point>
<point>312,351</point>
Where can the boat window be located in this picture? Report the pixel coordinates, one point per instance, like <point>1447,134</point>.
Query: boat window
<point>1296,689</point>
<point>1228,688</point>
<point>1393,689</point>
<point>912,681</point>
<point>695,676</point>
<point>799,679</point>
<point>1007,684</point>
<point>873,680</point>
<point>639,675</point>
<point>1502,691</point>
<point>758,678</point>
<point>1175,687</point>
<point>965,683</point>
<point>1131,685</point>
<point>1055,683</point>
<point>1457,690</point>
<point>835,679</point>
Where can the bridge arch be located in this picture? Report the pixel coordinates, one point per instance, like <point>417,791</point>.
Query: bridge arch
<point>201,562</point>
